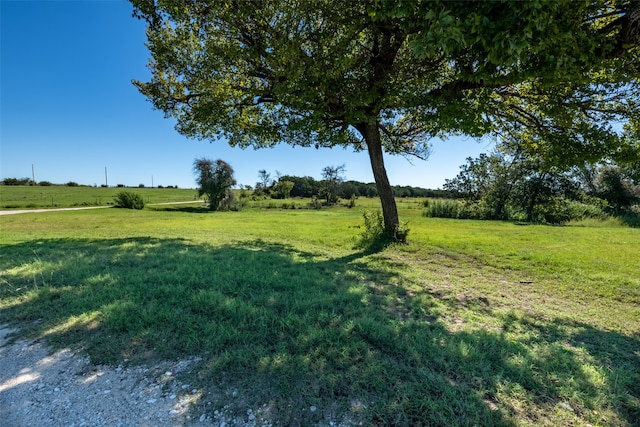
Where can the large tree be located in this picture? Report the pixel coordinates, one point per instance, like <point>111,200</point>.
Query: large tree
<point>387,75</point>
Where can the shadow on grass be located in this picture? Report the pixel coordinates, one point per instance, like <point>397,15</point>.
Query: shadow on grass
<point>200,209</point>
<point>292,330</point>
<point>630,217</point>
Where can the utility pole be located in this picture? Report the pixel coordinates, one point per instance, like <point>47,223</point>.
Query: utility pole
<point>106,181</point>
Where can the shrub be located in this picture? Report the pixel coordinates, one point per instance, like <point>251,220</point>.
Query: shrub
<point>400,234</point>
<point>631,216</point>
<point>352,201</point>
<point>554,211</point>
<point>229,203</point>
<point>129,200</point>
<point>594,208</point>
<point>45,183</point>
<point>374,235</point>
<point>315,203</point>
<point>72,184</point>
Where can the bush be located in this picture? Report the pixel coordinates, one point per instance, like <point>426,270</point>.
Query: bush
<point>315,203</point>
<point>352,201</point>
<point>553,211</point>
<point>400,234</point>
<point>631,216</point>
<point>375,237</point>
<point>128,200</point>
<point>595,208</point>
<point>229,203</point>
<point>72,184</point>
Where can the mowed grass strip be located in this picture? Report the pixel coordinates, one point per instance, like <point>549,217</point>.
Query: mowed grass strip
<point>58,196</point>
<point>472,323</point>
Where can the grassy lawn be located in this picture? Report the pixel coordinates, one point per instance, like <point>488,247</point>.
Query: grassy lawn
<point>32,197</point>
<point>471,323</point>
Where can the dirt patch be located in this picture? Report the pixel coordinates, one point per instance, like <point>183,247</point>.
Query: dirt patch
<point>38,388</point>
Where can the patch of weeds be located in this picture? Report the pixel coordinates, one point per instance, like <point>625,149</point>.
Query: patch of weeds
<point>375,236</point>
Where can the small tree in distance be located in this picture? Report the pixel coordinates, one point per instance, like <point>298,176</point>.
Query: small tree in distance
<point>282,189</point>
<point>214,180</point>
<point>265,179</point>
<point>332,178</point>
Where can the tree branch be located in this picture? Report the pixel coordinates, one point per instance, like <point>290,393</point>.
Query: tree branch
<point>629,34</point>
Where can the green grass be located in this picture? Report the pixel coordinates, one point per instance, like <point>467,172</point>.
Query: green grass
<point>31,197</point>
<point>472,323</point>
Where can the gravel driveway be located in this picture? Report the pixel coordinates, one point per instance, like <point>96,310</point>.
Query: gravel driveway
<point>41,389</point>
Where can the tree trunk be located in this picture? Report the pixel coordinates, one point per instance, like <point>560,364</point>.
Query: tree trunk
<point>371,134</point>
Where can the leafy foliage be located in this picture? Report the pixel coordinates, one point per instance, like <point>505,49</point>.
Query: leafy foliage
<point>282,189</point>
<point>17,181</point>
<point>215,180</point>
<point>615,186</point>
<point>509,184</point>
<point>373,234</point>
<point>332,177</point>
<point>387,76</point>
<point>128,200</point>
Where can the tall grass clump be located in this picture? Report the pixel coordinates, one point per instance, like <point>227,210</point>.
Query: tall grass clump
<point>128,200</point>
<point>443,208</point>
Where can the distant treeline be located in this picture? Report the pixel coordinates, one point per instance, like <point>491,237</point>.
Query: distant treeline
<point>29,181</point>
<point>310,187</point>
<point>302,187</point>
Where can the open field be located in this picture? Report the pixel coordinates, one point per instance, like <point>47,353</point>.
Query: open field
<point>471,323</point>
<point>32,197</point>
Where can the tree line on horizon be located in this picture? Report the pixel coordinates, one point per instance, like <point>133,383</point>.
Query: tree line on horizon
<point>303,186</point>
<point>308,187</point>
<point>29,182</point>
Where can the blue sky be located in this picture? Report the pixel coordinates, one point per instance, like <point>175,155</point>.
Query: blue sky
<point>69,109</point>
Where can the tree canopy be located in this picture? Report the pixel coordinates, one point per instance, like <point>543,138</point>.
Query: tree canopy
<point>558,77</point>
